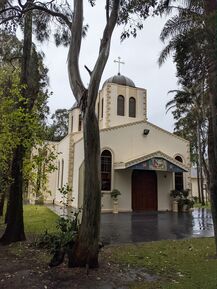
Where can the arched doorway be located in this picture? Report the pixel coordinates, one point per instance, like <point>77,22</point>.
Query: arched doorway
<point>144,190</point>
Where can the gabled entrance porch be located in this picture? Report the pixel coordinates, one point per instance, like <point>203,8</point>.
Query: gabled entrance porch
<point>150,179</point>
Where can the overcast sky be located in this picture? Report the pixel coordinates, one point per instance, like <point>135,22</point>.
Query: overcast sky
<point>140,56</point>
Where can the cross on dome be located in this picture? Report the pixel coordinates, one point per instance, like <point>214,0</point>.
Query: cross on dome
<point>119,62</point>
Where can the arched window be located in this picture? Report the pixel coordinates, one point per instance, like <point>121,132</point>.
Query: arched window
<point>179,186</point>
<point>120,105</point>
<point>179,159</point>
<point>79,122</point>
<point>106,170</point>
<point>132,107</point>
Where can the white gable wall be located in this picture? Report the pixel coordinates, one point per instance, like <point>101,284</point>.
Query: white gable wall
<point>128,142</point>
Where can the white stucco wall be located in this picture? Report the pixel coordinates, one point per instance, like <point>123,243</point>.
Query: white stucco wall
<point>63,150</point>
<point>164,186</point>
<point>122,182</point>
<point>128,142</point>
<point>194,187</point>
<point>74,120</point>
<point>49,193</point>
<point>52,183</point>
<point>78,160</point>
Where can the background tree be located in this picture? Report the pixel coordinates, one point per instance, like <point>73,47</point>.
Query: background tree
<point>205,49</point>
<point>8,118</point>
<point>9,57</point>
<point>191,123</point>
<point>37,169</point>
<point>32,76</point>
<point>59,126</point>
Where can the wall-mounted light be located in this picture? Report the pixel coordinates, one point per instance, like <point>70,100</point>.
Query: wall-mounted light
<point>146,131</point>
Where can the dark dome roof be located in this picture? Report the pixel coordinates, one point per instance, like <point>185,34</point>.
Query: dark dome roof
<point>120,79</point>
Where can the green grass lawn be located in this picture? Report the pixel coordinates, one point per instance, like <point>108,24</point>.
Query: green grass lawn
<point>37,219</point>
<point>186,264</point>
<point>198,205</point>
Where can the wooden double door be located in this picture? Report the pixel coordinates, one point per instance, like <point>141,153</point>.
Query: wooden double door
<point>144,190</point>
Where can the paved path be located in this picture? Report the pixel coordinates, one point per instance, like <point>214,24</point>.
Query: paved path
<point>153,226</point>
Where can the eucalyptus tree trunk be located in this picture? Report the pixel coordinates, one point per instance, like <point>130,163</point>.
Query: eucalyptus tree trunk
<point>86,248</point>
<point>2,200</point>
<point>15,227</point>
<point>198,182</point>
<point>211,12</point>
<point>212,178</point>
<point>200,167</point>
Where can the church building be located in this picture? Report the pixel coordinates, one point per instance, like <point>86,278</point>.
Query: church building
<point>141,160</point>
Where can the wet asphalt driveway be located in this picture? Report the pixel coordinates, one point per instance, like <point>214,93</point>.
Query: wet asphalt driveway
<point>155,226</point>
<point>152,226</point>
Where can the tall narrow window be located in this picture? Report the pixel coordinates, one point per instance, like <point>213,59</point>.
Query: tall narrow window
<point>98,110</point>
<point>179,186</point>
<point>72,124</point>
<point>58,178</point>
<point>102,103</point>
<point>106,170</point>
<point>79,122</point>
<point>120,105</point>
<point>62,173</point>
<point>132,107</point>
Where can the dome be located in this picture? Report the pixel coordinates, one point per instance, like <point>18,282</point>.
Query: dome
<point>120,79</point>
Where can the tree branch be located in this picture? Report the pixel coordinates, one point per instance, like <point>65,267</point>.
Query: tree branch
<point>16,8</point>
<point>20,3</point>
<point>51,12</point>
<point>103,53</point>
<point>9,19</point>
<point>107,10</point>
<point>39,6</point>
<point>89,71</point>
<point>76,83</point>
